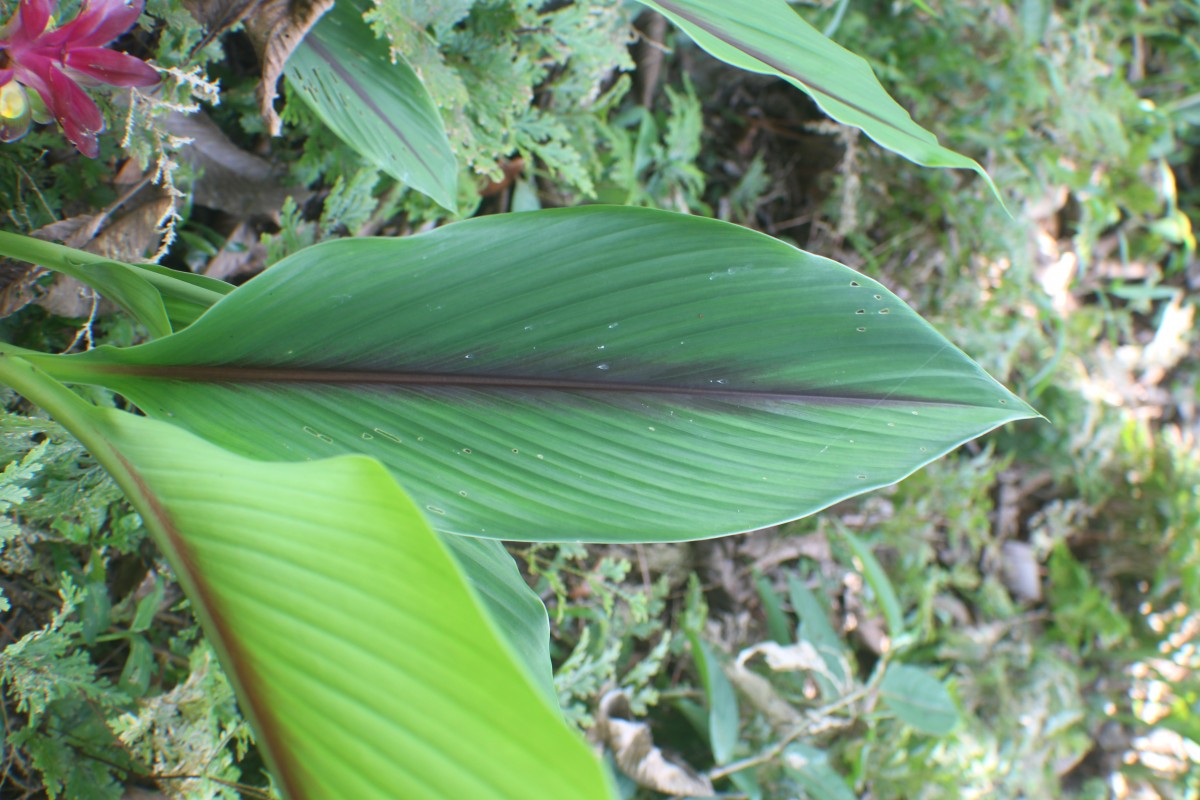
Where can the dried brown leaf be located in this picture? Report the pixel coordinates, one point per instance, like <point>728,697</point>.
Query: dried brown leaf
<point>231,179</point>
<point>243,255</point>
<point>762,695</point>
<point>128,236</point>
<point>17,285</point>
<point>634,751</point>
<point>276,28</point>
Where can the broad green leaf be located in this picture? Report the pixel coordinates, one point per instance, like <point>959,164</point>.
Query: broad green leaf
<point>918,698</point>
<point>722,702</point>
<point>366,665</point>
<point>810,768</point>
<point>517,610</point>
<point>378,107</point>
<point>600,373</point>
<point>769,37</point>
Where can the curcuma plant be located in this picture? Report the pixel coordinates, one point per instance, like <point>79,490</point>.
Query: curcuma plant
<point>331,466</point>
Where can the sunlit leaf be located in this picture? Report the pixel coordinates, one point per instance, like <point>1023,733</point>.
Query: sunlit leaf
<point>365,663</point>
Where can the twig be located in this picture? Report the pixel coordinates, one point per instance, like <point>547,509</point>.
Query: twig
<point>86,331</point>
<point>811,724</point>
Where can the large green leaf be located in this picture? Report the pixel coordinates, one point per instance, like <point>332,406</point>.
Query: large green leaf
<point>517,610</point>
<point>578,374</point>
<point>378,107</point>
<point>366,665</point>
<point>767,36</point>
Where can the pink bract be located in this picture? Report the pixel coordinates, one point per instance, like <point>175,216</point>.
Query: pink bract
<point>54,61</point>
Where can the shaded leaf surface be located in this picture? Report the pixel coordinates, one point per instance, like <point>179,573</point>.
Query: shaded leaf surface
<point>583,374</point>
<point>378,107</point>
<point>230,179</point>
<point>810,767</point>
<point>767,36</point>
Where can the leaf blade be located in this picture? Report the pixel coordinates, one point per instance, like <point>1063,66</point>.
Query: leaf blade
<point>360,655</point>
<point>609,371</point>
<point>918,698</point>
<point>378,107</point>
<point>768,37</point>
<point>723,719</point>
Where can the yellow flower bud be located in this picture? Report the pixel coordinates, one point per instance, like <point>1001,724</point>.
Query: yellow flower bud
<point>13,102</point>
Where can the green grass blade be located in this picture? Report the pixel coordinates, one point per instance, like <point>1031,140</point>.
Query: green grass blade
<point>723,720</point>
<point>878,580</point>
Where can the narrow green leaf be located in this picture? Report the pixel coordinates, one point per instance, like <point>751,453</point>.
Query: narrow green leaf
<point>378,107</point>
<point>814,627</point>
<point>600,373</point>
<point>777,622</point>
<point>918,698</point>
<point>810,768</point>
<point>148,607</point>
<point>139,666</point>
<point>155,296</point>
<point>769,37</point>
<point>723,721</point>
<point>878,580</point>
<point>366,665</point>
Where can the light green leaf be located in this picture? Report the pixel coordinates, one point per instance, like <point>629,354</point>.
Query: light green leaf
<point>600,373</point>
<point>723,720</point>
<point>517,611</point>
<point>878,580</point>
<point>918,698</point>
<point>769,37</point>
<point>378,107</point>
<point>148,607</point>
<point>810,768</point>
<point>814,628</point>
<point>366,665</point>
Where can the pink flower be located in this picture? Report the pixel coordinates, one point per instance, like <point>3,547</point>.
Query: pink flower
<point>54,61</point>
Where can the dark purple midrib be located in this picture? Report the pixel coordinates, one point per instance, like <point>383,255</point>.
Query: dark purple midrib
<point>268,375</point>
<point>270,730</point>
